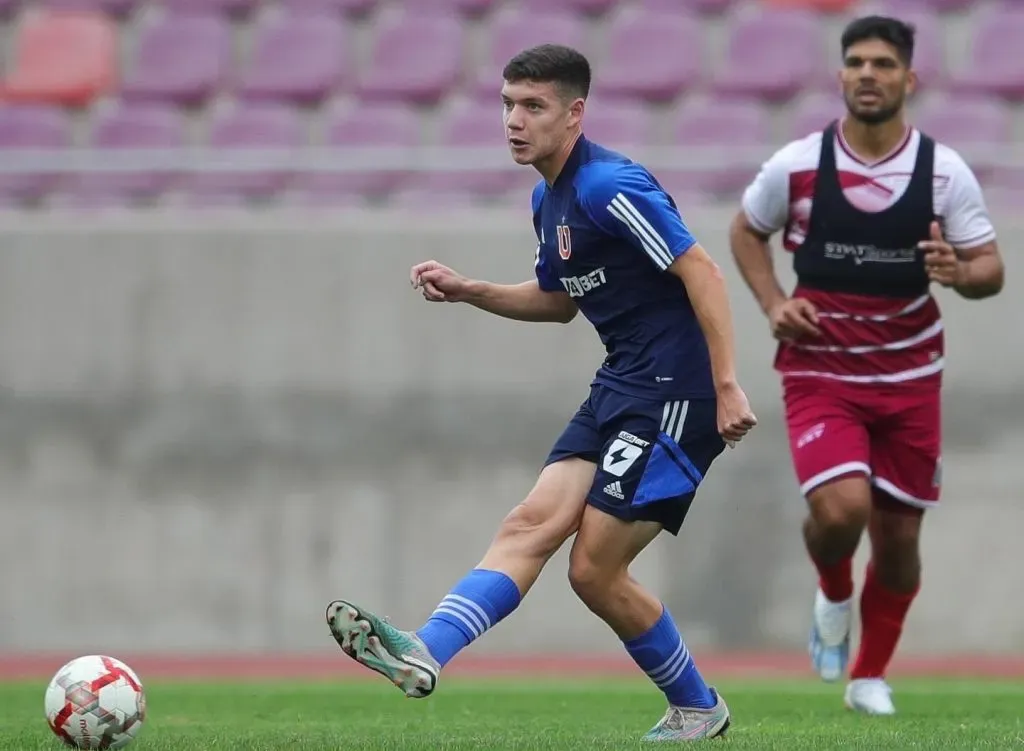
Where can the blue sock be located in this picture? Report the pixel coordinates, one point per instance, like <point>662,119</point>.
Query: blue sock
<point>662,654</point>
<point>474,605</point>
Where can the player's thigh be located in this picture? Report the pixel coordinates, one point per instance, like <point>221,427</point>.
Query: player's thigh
<point>906,449</point>
<point>606,545</point>
<point>654,458</point>
<point>552,509</point>
<point>828,436</point>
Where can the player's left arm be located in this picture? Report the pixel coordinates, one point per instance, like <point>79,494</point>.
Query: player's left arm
<point>965,256</point>
<point>627,203</point>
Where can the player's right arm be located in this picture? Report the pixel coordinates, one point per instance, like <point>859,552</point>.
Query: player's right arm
<point>765,211</point>
<point>527,301</point>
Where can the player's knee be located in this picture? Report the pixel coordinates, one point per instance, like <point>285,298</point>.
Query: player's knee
<point>841,507</point>
<point>593,582</point>
<point>535,529</point>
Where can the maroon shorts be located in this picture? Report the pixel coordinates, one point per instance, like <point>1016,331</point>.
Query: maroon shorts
<point>891,435</point>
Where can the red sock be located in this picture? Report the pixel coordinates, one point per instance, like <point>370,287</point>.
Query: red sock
<point>836,581</point>
<point>882,614</point>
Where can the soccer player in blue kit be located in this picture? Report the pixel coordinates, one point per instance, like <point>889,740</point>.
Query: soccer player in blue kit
<point>663,405</point>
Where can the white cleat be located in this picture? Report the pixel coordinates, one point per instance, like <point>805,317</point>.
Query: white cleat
<point>829,644</point>
<point>870,696</point>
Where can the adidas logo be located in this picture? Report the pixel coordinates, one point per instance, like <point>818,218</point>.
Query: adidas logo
<point>614,490</point>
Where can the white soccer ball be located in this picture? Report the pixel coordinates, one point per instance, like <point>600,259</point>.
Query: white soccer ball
<point>95,702</point>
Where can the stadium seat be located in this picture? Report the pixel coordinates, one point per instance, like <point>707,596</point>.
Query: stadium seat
<point>811,113</point>
<point>181,59</point>
<point>511,32</point>
<point>362,128</point>
<point>270,133</point>
<point>992,67</point>
<point>654,57</point>
<point>979,127</point>
<point>297,58</point>
<point>353,8</point>
<point>444,7</point>
<point>900,8</point>
<point>8,8</point>
<point>476,126</point>
<point>817,6</point>
<point>414,58</point>
<point>127,127</point>
<point>586,7</point>
<point>772,55</point>
<point>115,8</point>
<point>232,8</point>
<point>724,136</point>
<point>24,128</point>
<point>63,57</point>
<point>703,7</point>
<point>619,126</point>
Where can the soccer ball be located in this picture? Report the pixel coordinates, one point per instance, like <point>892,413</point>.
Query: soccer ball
<point>95,702</point>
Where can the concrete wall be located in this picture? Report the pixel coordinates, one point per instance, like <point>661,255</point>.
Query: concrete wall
<point>212,427</point>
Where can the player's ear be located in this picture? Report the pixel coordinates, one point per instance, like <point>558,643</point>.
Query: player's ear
<point>911,82</point>
<point>576,111</point>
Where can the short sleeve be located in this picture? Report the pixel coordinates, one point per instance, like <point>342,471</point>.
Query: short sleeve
<point>766,200</point>
<point>545,277</point>
<point>966,218</point>
<point>623,200</point>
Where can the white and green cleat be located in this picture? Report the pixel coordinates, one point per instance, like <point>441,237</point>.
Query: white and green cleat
<point>691,724</point>
<point>400,656</point>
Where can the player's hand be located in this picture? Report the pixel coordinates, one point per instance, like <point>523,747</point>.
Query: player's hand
<point>735,417</point>
<point>940,259</point>
<point>793,319</point>
<point>438,282</point>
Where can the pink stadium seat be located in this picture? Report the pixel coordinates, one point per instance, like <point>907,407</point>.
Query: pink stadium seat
<point>619,126</point>
<point>297,58</point>
<point>991,67</point>
<point>125,128</point>
<point>772,55</point>
<point>975,125</point>
<point>362,128</point>
<point>586,7</point>
<point>704,7</point>
<point>414,58</point>
<point>353,8</point>
<point>721,135</point>
<point>476,126</point>
<point>116,8</point>
<point>444,7</point>
<point>259,131</point>
<point>650,56</point>
<point>813,113</point>
<point>24,128</point>
<point>180,59</point>
<point>233,8</point>
<point>510,33</point>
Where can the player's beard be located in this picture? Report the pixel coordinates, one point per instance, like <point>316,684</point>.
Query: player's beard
<point>876,116</point>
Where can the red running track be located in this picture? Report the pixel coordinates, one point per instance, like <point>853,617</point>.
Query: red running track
<point>336,665</point>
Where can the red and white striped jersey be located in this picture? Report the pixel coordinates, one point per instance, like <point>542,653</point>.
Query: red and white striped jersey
<point>866,338</point>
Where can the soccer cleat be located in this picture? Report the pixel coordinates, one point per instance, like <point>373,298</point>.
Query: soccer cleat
<point>829,645</point>
<point>686,724</point>
<point>869,696</point>
<point>400,656</point>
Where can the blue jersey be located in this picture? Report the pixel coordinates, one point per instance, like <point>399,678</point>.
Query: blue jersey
<point>607,232</point>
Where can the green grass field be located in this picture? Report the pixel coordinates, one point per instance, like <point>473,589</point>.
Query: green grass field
<point>538,715</point>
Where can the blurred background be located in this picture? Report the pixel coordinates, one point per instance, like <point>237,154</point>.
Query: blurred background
<point>221,406</point>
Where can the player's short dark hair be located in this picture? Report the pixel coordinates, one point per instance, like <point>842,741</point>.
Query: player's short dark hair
<point>563,66</point>
<point>892,30</point>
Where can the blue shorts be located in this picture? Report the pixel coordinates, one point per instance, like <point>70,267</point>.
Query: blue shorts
<point>651,456</point>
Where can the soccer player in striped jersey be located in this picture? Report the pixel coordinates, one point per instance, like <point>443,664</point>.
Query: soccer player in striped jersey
<point>874,212</point>
<point>663,405</point>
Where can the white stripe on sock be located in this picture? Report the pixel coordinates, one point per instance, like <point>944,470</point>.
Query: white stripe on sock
<point>669,665</point>
<point>461,616</point>
<point>479,611</point>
